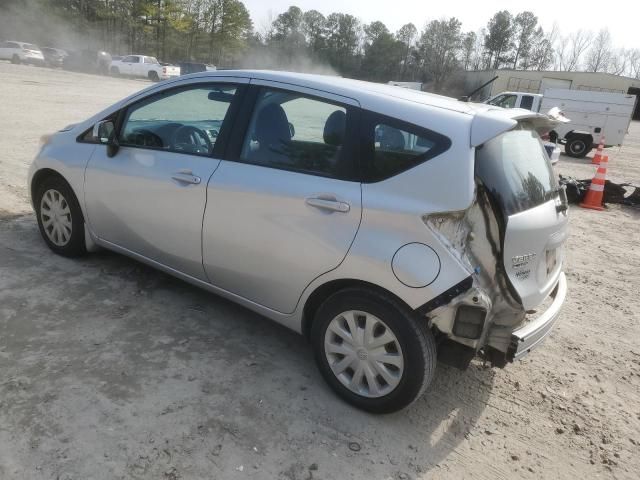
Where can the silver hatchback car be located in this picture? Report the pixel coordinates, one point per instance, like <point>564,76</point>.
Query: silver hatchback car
<point>390,227</point>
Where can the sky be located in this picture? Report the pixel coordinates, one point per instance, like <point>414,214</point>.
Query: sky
<point>619,16</point>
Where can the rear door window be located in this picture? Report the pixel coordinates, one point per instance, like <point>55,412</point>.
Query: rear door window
<point>526,102</point>
<point>292,131</point>
<point>391,146</point>
<point>516,170</point>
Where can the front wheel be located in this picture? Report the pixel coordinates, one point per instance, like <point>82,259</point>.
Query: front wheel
<point>60,218</point>
<point>372,351</point>
<point>15,59</point>
<point>153,76</point>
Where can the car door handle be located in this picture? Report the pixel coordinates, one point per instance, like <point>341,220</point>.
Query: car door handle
<point>328,204</point>
<point>186,177</point>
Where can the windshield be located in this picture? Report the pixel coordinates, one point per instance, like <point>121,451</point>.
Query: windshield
<point>29,46</point>
<point>516,170</point>
<point>504,101</point>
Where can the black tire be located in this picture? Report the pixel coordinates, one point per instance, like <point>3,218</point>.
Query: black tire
<point>417,345</point>
<point>115,71</point>
<point>75,246</point>
<point>15,59</point>
<point>577,147</point>
<point>153,76</point>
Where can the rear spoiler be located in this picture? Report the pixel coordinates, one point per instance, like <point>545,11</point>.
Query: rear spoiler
<point>490,122</point>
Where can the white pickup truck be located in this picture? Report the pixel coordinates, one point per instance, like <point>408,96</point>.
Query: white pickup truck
<point>143,66</point>
<point>592,115</point>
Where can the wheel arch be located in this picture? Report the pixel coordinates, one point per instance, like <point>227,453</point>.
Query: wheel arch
<point>324,291</point>
<point>578,133</point>
<point>45,173</point>
<point>41,175</point>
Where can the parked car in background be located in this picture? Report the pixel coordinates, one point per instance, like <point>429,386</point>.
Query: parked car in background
<point>87,61</point>
<point>54,57</point>
<point>21,52</point>
<point>191,67</point>
<point>143,66</point>
<point>386,225</point>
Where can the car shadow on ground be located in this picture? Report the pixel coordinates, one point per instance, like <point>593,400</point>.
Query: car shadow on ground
<point>155,347</point>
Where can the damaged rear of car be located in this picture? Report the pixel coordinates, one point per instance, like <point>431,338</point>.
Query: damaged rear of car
<point>512,238</point>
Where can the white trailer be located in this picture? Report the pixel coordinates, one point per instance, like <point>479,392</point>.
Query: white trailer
<point>592,115</point>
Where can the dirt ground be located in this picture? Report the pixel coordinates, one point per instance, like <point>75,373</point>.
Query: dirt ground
<point>109,369</point>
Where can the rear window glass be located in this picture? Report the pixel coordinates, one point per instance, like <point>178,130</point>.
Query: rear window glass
<point>393,146</point>
<point>516,170</point>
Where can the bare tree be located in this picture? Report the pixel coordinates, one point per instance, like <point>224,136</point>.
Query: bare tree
<point>634,62</point>
<point>479,59</point>
<point>468,44</point>
<point>407,35</point>
<point>618,62</point>
<point>267,27</point>
<point>599,55</point>
<point>578,41</point>
<point>439,46</point>
<point>542,55</point>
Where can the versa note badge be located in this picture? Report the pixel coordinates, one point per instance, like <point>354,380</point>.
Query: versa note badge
<point>522,260</point>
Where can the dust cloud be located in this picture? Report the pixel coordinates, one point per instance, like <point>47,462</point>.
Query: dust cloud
<point>28,21</point>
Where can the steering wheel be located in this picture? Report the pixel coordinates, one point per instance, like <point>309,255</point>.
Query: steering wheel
<point>188,138</point>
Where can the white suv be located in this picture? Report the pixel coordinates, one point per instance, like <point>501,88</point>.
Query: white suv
<point>384,224</point>
<point>21,52</point>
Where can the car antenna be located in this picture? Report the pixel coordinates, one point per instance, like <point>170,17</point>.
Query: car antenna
<point>466,98</point>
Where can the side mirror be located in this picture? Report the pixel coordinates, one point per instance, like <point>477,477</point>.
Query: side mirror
<point>105,133</point>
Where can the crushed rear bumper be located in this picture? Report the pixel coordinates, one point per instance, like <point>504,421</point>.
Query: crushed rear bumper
<point>531,335</point>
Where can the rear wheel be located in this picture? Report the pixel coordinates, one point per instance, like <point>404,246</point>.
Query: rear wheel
<point>577,146</point>
<point>372,351</point>
<point>115,71</point>
<point>15,59</point>
<point>60,218</point>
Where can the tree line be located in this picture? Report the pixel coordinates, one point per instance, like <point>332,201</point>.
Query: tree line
<point>221,32</point>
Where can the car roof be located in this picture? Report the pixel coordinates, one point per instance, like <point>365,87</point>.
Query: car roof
<point>347,87</point>
<point>487,121</point>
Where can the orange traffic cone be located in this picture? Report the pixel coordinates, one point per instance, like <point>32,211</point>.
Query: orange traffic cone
<point>593,198</point>
<point>598,156</point>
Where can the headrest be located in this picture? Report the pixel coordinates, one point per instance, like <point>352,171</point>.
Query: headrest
<point>334,128</point>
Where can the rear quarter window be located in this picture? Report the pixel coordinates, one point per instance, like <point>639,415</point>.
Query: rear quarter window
<point>391,146</point>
